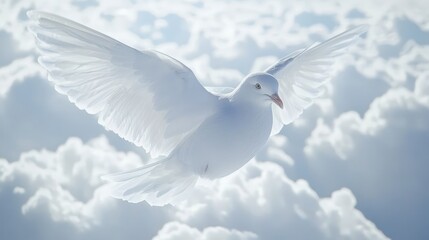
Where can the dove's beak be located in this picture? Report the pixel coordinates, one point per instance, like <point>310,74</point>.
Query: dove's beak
<point>277,100</point>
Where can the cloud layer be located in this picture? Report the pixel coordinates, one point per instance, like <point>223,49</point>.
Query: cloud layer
<point>63,189</point>
<point>387,146</point>
<point>361,148</point>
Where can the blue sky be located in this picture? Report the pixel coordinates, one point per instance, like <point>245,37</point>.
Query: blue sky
<point>353,166</point>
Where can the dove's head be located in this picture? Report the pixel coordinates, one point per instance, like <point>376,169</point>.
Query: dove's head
<point>260,88</point>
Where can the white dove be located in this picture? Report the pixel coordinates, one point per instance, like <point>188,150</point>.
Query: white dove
<point>157,103</point>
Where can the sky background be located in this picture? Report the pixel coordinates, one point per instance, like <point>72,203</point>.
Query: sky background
<point>353,166</point>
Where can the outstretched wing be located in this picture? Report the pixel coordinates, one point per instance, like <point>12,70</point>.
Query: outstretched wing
<point>146,97</point>
<point>302,74</point>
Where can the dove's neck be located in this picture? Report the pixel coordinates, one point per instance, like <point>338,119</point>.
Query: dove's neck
<point>238,95</point>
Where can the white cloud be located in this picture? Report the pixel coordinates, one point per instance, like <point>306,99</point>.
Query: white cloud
<point>178,231</point>
<point>261,199</point>
<point>380,156</point>
<point>61,192</point>
<point>275,150</point>
<point>63,187</point>
<point>397,109</point>
<point>16,71</point>
<point>421,89</point>
<point>63,183</point>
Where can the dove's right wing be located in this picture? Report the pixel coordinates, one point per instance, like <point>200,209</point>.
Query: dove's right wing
<point>146,97</point>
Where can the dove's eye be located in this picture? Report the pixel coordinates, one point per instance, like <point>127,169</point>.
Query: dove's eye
<point>258,86</point>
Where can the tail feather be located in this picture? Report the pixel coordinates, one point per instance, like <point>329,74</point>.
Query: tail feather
<point>127,175</point>
<point>159,183</point>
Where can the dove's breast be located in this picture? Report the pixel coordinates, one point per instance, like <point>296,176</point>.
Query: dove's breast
<point>226,141</point>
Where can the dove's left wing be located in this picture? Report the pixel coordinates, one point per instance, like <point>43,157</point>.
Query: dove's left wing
<point>302,75</point>
<point>146,97</point>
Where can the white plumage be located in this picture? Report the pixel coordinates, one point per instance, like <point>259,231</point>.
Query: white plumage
<point>157,103</point>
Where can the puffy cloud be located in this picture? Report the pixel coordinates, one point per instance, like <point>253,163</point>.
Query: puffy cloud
<point>275,150</point>
<point>261,199</point>
<point>52,193</point>
<point>57,192</point>
<point>178,231</point>
<point>380,156</point>
<point>16,71</point>
<point>421,89</point>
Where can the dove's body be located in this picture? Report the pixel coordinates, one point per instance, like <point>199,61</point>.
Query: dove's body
<point>157,103</point>
<point>236,132</point>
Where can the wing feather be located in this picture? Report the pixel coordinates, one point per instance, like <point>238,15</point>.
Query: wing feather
<point>146,97</point>
<point>302,75</point>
